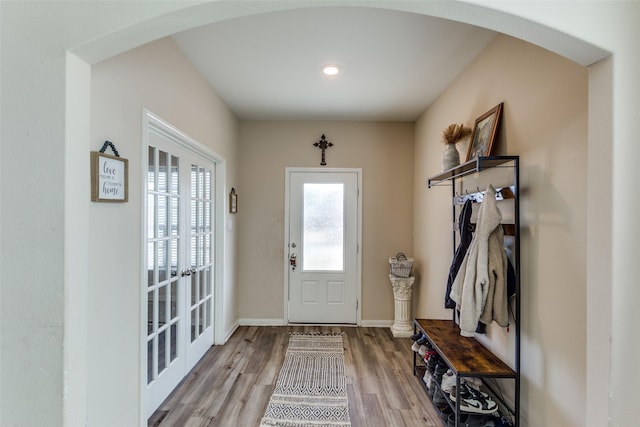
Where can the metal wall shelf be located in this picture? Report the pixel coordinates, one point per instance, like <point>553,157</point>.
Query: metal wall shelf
<point>472,166</point>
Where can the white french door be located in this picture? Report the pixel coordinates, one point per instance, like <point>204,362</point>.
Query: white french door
<point>323,241</point>
<point>179,259</point>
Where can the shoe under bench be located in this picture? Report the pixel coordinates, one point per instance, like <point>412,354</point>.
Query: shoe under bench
<point>464,355</point>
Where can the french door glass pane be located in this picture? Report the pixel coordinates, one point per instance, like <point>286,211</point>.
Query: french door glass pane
<point>174,342</point>
<point>151,171</point>
<point>174,299</point>
<point>150,359</point>
<point>194,289</point>
<point>175,177</point>
<point>193,324</point>
<point>150,311</point>
<point>323,227</point>
<point>162,353</point>
<point>151,215</point>
<point>162,260</point>
<point>162,216</point>
<point>174,215</point>
<point>151,256</point>
<point>162,172</point>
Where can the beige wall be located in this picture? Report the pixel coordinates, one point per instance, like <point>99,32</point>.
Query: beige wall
<point>156,76</point>
<point>545,122</point>
<point>384,151</point>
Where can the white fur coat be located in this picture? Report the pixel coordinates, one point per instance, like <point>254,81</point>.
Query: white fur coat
<point>480,288</point>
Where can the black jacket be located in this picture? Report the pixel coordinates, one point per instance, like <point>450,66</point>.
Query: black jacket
<point>466,235</point>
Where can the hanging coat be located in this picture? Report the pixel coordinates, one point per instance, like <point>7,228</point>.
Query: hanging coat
<point>480,288</point>
<point>466,235</point>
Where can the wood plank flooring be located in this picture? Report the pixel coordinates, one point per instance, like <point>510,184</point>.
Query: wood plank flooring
<point>232,384</point>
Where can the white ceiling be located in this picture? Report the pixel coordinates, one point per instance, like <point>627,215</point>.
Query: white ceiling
<point>394,64</point>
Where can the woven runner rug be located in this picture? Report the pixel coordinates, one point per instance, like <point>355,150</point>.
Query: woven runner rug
<point>311,389</point>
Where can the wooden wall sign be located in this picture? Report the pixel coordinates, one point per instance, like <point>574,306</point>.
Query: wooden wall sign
<point>109,176</point>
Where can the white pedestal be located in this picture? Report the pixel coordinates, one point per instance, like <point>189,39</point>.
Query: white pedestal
<point>402,291</point>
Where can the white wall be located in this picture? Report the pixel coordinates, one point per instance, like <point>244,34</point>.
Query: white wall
<point>34,38</point>
<point>158,77</point>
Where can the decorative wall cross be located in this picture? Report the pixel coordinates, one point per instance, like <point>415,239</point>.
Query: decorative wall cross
<point>323,144</point>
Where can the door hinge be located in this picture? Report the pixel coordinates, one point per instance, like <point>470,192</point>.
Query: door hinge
<point>357,304</point>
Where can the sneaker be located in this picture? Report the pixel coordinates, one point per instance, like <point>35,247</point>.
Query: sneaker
<point>422,340</point>
<point>427,379</point>
<point>440,369</point>
<point>438,399</point>
<point>474,401</point>
<point>422,350</point>
<point>431,388</point>
<point>445,413</point>
<point>417,336</point>
<point>448,381</point>
<point>432,362</point>
<point>415,347</point>
<point>473,382</point>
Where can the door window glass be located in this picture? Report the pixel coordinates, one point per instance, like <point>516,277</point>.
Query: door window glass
<point>323,227</point>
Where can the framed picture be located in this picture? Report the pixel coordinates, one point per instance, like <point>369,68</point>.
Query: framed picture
<point>484,133</point>
<point>109,178</point>
<point>233,201</point>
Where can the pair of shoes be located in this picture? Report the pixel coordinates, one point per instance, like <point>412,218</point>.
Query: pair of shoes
<point>426,350</point>
<point>423,340</point>
<point>468,420</point>
<point>428,354</point>
<point>432,361</point>
<point>474,401</point>
<point>440,369</point>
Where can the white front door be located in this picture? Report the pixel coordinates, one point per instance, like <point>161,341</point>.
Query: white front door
<point>322,257</point>
<point>179,259</point>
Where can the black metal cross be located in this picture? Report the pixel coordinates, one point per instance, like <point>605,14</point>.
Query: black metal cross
<point>323,144</point>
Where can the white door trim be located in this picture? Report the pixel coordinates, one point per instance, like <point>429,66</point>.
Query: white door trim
<point>152,121</point>
<point>285,262</point>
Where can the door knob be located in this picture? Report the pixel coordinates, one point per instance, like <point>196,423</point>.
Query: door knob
<point>188,271</point>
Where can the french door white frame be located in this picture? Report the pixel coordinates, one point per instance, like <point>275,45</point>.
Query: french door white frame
<point>285,265</point>
<point>152,121</point>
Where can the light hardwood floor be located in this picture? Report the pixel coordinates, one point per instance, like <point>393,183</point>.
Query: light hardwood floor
<point>232,384</point>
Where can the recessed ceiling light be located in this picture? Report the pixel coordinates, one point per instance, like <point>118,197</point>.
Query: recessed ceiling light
<point>331,69</point>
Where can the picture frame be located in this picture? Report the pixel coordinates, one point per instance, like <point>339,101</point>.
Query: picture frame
<point>484,133</point>
<point>109,178</point>
<point>233,201</point>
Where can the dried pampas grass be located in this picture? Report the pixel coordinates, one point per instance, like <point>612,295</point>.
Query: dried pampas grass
<point>454,133</point>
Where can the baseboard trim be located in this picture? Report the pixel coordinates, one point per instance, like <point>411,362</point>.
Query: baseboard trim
<point>281,322</point>
<point>262,322</point>
<point>376,323</point>
<point>235,326</point>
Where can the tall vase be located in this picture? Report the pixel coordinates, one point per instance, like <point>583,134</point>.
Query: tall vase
<point>451,157</point>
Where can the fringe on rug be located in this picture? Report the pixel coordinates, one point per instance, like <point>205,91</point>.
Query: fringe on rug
<point>318,334</point>
<point>278,423</point>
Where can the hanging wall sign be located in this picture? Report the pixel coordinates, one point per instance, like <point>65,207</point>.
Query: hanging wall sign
<point>109,176</point>
<point>233,201</point>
